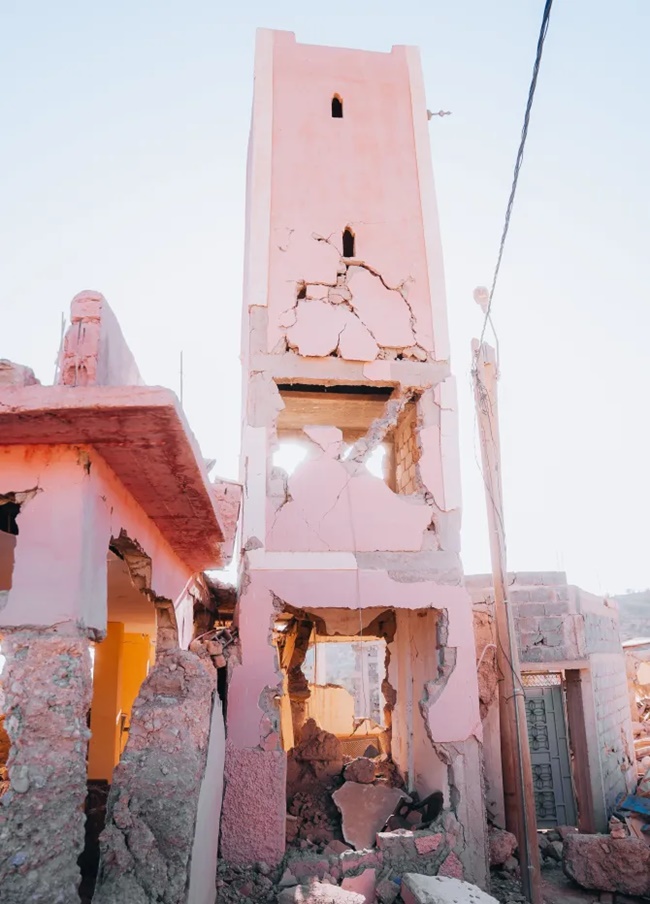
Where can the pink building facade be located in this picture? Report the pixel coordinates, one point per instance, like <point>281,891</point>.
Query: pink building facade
<point>346,369</point>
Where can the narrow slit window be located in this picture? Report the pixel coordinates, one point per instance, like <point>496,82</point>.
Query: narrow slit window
<point>337,107</point>
<point>348,242</point>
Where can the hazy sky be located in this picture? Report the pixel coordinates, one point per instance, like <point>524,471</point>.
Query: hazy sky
<point>122,159</point>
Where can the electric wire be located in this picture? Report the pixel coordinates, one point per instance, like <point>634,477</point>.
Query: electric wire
<point>520,159</point>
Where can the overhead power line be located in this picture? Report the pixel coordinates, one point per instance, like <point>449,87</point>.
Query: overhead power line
<point>520,159</point>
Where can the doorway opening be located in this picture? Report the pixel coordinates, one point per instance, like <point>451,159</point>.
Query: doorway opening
<point>553,737</point>
<point>336,709</point>
<point>119,664</point>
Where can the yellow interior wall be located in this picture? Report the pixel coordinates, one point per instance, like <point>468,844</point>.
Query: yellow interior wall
<point>121,665</point>
<point>136,650</point>
<point>104,748</point>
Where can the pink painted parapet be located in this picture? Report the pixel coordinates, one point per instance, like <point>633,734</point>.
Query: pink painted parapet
<point>345,352</point>
<point>94,351</point>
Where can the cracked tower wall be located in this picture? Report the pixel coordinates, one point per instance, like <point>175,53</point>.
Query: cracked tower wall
<point>345,354</point>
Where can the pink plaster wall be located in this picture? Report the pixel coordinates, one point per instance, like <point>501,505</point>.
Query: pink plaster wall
<point>363,172</point>
<point>331,509</point>
<point>64,532</point>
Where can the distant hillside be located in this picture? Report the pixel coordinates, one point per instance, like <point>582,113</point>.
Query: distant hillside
<point>634,613</point>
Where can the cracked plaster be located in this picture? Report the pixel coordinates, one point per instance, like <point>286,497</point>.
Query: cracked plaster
<point>355,313</point>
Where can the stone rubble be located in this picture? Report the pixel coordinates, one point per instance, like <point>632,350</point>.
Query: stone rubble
<point>365,810</point>
<point>417,889</point>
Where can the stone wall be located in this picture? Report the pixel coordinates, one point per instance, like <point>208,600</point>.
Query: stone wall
<point>613,726</point>
<point>47,686</point>
<point>560,627</point>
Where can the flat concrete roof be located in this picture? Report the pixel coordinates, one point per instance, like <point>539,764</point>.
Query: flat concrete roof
<point>142,434</point>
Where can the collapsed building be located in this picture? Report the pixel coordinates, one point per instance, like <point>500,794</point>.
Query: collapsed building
<point>354,666</point>
<point>352,620</point>
<point>107,520</point>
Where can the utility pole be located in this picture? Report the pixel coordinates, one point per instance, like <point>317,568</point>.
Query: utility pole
<point>515,752</point>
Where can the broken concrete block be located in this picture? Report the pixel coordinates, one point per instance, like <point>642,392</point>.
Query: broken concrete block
<point>353,860</point>
<point>427,844</point>
<point>555,850</point>
<point>307,867</point>
<point>398,845</point>
<point>418,889</point>
<point>387,891</point>
<point>502,845</point>
<point>288,879</point>
<point>364,811</point>
<point>451,867</point>
<point>603,863</point>
<point>365,884</point>
<point>319,893</point>
<point>361,770</point>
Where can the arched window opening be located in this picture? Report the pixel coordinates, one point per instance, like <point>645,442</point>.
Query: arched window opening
<point>337,107</point>
<point>348,242</point>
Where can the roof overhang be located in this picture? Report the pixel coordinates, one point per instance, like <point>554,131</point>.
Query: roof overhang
<point>142,434</point>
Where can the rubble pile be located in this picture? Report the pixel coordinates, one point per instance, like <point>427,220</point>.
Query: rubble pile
<point>216,643</point>
<point>505,878</point>
<point>631,817</point>
<point>352,832</point>
<point>638,674</point>
<point>641,730</point>
<point>247,885</point>
<point>374,873</point>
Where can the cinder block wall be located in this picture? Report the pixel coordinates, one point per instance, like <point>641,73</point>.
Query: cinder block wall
<point>563,627</point>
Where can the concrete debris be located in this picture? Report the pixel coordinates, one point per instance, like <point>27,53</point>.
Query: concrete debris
<point>603,863</point>
<point>364,884</point>
<point>365,810</point>
<point>319,893</point>
<point>387,891</point>
<point>361,770</point>
<point>502,845</point>
<point>617,828</point>
<point>240,885</point>
<point>418,889</point>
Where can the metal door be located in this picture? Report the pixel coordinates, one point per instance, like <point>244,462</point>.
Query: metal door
<point>549,750</point>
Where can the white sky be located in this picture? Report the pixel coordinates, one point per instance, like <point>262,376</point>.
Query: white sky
<point>122,166</point>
